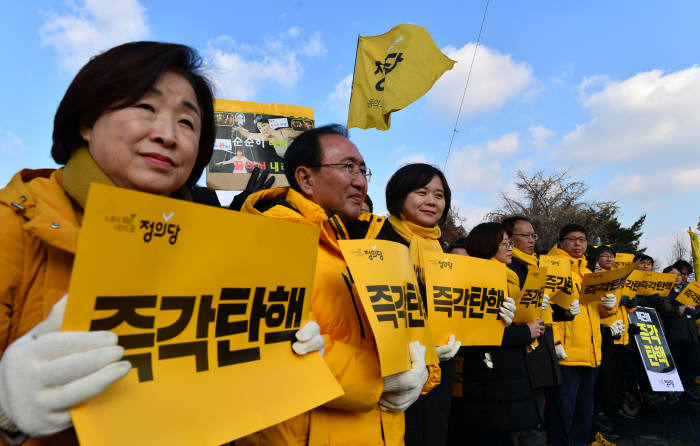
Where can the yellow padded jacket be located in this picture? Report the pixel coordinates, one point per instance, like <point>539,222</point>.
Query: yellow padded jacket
<point>350,351</point>
<point>580,337</point>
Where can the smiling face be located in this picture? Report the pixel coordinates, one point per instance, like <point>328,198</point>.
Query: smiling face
<point>150,146</point>
<point>425,205</point>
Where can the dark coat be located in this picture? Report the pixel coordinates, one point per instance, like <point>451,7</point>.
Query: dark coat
<point>678,328</point>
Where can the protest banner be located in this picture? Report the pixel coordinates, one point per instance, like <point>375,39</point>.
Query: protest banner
<point>464,296</point>
<point>384,278</point>
<point>623,259</point>
<point>690,295</point>
<point>654,351</point>
<point>559,285</point>
<point>597,285</point>
<point>646,283</point>
<point>252,134</point>
<point>529,304</point>
<point>205,314</point>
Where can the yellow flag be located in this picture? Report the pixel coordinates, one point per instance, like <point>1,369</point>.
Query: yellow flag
<point>695,249</point>
<point>205,316</point>
<point>391,71</point>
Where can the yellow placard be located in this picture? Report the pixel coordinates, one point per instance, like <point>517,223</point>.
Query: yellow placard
<point>647,283</point>
<point>205,314</point>
<point>559,285</point>
<point>464,295</point>
<point>388,290</point>
<point>623,259</point>
<point>690,295</point>
<point>529,305</point>
<point>597,285</point>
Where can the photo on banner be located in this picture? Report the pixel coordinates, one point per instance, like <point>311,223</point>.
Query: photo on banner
<point>252,134</point>
<point>386,283</point>
<point>464,296</point>
<point>655,352</point>
<point>559,285</point>
<point>205,317</point>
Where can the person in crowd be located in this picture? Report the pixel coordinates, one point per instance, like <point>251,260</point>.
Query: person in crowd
<point>542,362</point>
<point>327,185</point>
<point>418,199</point>
<point>605,257</point>
<point>497,396</point>
<point>646,263</point>
<point>685,270</point>
<point>577,342</point>
<point>367,205</point>
<point>458,247</point>
<point>681,334</point>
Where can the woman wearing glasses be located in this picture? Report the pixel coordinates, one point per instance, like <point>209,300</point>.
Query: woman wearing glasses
<point>418,200</point>
<point>498,400</point>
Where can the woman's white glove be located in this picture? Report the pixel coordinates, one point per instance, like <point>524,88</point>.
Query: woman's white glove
<point>608,301</point>
<point>402,389</point>
<point>559,350</point>
<point>545,301</point>
<point>507,310</point>
<point>575,308</point>
<point>449,350</point>
<point>46,372</point>
<point>309,339</point>
<point>617,328</point>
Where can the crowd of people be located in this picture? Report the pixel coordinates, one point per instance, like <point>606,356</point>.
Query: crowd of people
<point>140,116</point>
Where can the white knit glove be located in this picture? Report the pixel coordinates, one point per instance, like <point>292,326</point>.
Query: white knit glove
<point>46,372</point>
<point>449,350</point>
<point>545,301</point>
<point>507,310</point>
<point>617,328</point>
<point>402,389</point>
<point>575,308</point>
<point>309,339</point>
<point>559,350</point>
<point>608,301</point>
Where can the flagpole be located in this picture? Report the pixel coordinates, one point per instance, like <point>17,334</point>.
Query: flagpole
<point>357,49</point>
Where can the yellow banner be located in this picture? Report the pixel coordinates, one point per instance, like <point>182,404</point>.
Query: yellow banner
<point>253,134</point>
<point>623,259</point>
<point>690,295</point>
<point>391,71</point>
<point>464,296</point>
<point>387,286</point>
<point>205,314</point>
<point>695,249</point>
<point>597,285</point>
<point>530,301</point>
<point>645,283</point>
<point>559,285</point>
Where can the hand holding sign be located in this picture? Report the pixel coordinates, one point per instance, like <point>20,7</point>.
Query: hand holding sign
<point>507,310</point>
<point>447,351</point>
<point>536,328</point>
<point>608,301</point>
<point>402,389</point>
<point>309,339</point>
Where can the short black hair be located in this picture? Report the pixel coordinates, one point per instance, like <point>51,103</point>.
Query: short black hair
<point>669,268</point>
<point>305,150</point>
<point>640,257</point>
<point>483,239</point>
<point>409,178</point>
<point>459,243</point>
<point>571,227</point>
<point>604,248</point>
<point>680,265</point>
<point>509,223</point>
<point>369,203</point>
<point>117,79</point>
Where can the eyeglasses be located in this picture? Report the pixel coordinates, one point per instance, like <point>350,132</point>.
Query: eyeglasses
<point>532,236</point>
<point>576,239</point>
<point>351,168</point>
<point>508,245</point>
<point>606,256</point>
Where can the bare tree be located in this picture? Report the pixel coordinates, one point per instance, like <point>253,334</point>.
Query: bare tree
<point>453,228</point>
<point>679,248</point>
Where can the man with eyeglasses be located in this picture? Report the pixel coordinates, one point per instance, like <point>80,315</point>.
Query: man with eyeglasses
<point>327,185</point>
<point>578,346</point>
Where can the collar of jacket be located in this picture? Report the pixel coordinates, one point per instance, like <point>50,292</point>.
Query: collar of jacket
<point>408,230</point>
<point>511,275</point>
<point>576,263</point>
<point>524,258</point>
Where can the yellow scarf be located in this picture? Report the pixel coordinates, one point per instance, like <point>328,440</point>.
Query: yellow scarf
<point>81,170</point>
<point>420,239</point>
<point>525,258</point>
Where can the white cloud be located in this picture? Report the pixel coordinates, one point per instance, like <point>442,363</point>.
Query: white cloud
<point>472,215</point>
<point>11,144</point>
<point>653,185</point>
<point>496,78</point>
<point>414,158</point>
<point>92,26</point>
<point>339,99</point>
<point>540,136</point>
<point>649,121</point>
<point>240,70</point>
<point>479,166</point>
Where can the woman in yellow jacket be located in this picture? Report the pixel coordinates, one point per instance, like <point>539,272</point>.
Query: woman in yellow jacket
<point>418,199</point>
<point>139,116</point>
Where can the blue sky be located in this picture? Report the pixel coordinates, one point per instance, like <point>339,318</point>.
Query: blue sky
<point>609,90</point>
